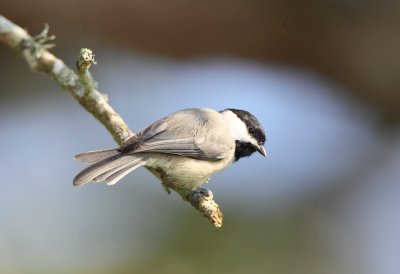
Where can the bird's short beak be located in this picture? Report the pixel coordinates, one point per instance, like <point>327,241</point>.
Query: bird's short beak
<point>262,150</point>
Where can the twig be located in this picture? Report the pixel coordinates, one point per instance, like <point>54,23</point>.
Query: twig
<point>34,50</point>
<point>86,59</point>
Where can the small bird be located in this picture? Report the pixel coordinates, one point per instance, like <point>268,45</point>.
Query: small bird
<point>183,149</point>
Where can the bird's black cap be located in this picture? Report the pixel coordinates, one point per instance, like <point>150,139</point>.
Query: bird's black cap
<point>253,125</point>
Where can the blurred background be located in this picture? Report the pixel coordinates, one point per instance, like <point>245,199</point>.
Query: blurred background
<point>321,76</point>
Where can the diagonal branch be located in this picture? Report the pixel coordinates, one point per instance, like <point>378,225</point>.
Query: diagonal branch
<point>34,50</point>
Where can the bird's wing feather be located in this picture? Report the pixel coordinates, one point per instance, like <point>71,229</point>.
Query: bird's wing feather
<point>177,140</point>
<point>187,147</point>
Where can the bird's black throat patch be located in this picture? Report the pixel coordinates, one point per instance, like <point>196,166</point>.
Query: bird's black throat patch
<point>243,149</point>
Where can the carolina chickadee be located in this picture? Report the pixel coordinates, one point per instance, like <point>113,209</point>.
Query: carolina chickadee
<point>183,150</point>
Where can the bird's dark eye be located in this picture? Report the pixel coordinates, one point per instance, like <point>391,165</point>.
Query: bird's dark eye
<point>252,130</point>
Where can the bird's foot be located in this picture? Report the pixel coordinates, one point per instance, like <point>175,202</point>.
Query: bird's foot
<point>203,200</point>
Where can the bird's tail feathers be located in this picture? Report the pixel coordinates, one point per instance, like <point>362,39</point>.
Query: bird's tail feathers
<point>118,175</point>
<point>111,169</point>
<point>95,156</point>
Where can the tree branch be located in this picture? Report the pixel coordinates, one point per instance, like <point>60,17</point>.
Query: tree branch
<point>34,50</point>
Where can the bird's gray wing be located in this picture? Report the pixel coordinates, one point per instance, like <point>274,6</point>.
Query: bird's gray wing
<point>157,138</point>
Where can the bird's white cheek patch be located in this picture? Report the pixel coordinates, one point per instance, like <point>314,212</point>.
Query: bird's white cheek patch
<point>237,128</point>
